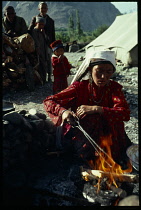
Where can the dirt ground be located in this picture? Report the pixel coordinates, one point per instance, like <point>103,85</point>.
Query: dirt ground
<point>26,100</point>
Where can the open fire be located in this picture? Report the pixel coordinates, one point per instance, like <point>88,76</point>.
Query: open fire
<point>107,176</point>
<point>57,179</point>
<point>105,163</point>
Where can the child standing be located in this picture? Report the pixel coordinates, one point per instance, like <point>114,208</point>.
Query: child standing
<point>41,46</point>
<point>61,67</point>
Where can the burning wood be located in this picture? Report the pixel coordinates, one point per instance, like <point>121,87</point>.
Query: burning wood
<point>105,167</point>
<point>89,174</point>
<point>120,192</point>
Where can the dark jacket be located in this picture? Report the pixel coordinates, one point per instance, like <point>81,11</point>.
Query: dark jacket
<point>18,26</point>
<point>41,43</point>
<point>49,27</point>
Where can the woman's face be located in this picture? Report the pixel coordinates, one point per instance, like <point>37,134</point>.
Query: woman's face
<point>101,74</point>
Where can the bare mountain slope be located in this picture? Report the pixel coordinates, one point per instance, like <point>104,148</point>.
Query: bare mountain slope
<point>92,14</point>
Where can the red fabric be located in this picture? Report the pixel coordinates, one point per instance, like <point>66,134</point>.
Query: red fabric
<point>59,84</point>
<point>116,110</point>
<point>55,43</point>
<point>61,70</point>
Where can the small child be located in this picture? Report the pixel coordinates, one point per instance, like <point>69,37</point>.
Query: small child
<point>41,46</point>
<point>61,67</point>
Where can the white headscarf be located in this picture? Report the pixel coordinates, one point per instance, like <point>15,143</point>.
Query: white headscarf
<point>96,55</point>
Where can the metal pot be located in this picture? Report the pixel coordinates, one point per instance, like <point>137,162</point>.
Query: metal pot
<point>133,154</point>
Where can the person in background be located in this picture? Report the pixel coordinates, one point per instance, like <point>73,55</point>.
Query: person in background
<point>74,47</point>
<point>61,67</point>
<point>49,29</point>
<point>12,24</point>
<point>67,47</point>
<point>98,103</point>
<point>41,46</point>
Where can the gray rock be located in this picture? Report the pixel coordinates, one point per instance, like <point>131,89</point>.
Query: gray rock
<point>13,117</point>
<point>132,200</point>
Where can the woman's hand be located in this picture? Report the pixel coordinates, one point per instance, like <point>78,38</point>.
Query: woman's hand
<point>69,117</point>
<point>85,109</point>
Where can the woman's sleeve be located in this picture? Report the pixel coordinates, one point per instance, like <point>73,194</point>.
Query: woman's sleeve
<point>120,110</point>
<point>55,104</point>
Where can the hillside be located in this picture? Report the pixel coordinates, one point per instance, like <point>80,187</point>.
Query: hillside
<point>92,14</point>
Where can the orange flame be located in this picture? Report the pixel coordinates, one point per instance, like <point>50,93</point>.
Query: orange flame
<point>102,160</point>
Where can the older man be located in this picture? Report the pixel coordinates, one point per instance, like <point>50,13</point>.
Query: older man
<point>13,24</point>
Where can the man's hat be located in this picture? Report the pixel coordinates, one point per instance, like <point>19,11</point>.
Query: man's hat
<point>40,20</point>
<point>56,44</point>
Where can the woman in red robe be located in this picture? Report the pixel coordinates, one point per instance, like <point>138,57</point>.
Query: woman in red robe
<point>98,103</point>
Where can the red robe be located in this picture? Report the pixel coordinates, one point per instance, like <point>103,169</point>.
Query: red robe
<point>115,111</point>
<point>61,70</point>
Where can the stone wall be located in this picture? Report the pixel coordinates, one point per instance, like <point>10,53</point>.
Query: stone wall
<point>25,137</point>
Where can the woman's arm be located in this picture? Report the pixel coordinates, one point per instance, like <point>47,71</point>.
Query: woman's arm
<point>117,111</point>
<point>86,110</point>
<point>55,105</point>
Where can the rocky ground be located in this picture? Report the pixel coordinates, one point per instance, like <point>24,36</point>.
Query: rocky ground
<point>128,77</point>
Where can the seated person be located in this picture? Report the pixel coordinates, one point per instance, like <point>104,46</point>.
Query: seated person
<point>98,103</point>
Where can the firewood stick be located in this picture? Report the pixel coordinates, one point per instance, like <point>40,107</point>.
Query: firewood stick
<point>90,177</point>
<point>120,192</point>
<point>122,177</point>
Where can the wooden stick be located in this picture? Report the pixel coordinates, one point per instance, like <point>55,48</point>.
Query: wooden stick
<point>101,174</point>
<point>120,192</point>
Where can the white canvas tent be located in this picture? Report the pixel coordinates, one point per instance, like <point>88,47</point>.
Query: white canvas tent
<point>121,37</point>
